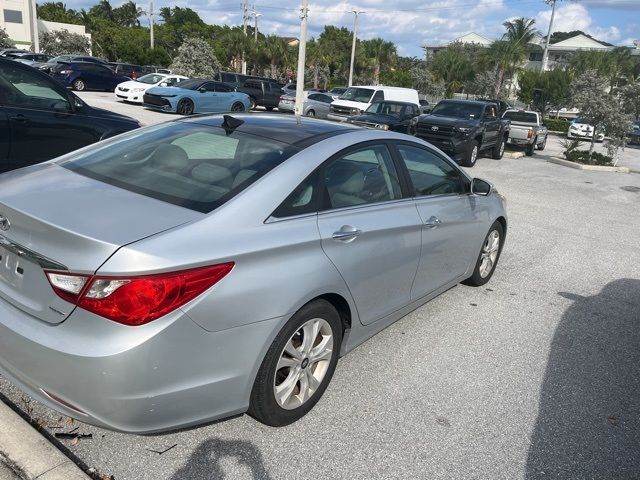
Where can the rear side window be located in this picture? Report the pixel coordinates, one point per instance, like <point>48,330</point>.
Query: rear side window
<point>253,84</point>
<point>227,77</point>
<point>193,166</point>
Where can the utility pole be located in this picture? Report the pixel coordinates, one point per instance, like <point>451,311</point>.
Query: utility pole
<point>245,17</point>
<point>151,14</point>
<point>545,55</point>
<point>353,46</point>
<point>302,53</point>
<point>255,28</point>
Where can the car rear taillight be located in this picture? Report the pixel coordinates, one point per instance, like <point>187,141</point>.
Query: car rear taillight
<point>136,300</point>
<point>530,133</point>
<point>66,72</point>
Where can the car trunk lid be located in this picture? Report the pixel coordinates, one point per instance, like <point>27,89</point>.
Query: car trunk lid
<point>54,219</point>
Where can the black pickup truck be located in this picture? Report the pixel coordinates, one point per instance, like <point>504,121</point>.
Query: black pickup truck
<point>265,93</point>
<point>463,128</point>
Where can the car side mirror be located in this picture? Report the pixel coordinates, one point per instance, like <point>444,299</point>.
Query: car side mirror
<point>164,84</point>
<point>201,90</point>
<point>481,187</point>
<point>61,106</point>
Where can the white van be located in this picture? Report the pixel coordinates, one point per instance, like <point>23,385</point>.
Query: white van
<point>357,99</point>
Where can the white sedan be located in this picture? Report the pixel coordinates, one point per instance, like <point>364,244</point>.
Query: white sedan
<point>579,129</point>
<point>133,90</point>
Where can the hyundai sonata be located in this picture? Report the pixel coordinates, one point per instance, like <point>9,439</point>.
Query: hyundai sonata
<point>216,265</point>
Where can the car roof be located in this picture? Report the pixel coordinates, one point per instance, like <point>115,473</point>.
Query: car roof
<point>472,102</point>
<point>300,133</point>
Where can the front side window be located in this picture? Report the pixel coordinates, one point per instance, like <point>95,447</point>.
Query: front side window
<point>364,176</point>
<point>430,174</point>
<point>190,165</point>
<point>20,86</point>
<point>386,108</point>
<point>378,96</point>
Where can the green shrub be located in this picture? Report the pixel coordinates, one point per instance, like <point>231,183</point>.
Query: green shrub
<point>557,124</point>
<point>582,156</point>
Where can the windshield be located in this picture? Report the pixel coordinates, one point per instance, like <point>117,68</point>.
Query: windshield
<point>151,79</point>
<point>457,109</point>
<point>186,164</point>
<point>356,94</point>
<point>522,117</point>
<point>386,108</point>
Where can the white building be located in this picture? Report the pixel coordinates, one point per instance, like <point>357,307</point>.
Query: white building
<point>18,18</point>
<point>469,38</point>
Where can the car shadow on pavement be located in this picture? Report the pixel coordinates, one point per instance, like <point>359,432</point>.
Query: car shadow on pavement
<point>588,422</point>
<point>206,460</point>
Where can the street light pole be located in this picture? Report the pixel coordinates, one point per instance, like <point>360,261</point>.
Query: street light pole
<point>353,46</point>
<point>302,52</point>
<point>151,23</point>
<point>255,29</point>
<point>545,55</point>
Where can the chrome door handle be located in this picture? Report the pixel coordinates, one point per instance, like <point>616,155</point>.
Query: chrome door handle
<point>346,233</point>
<point>432,222</point>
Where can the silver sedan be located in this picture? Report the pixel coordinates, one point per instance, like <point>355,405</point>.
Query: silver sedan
<point>216,265</point>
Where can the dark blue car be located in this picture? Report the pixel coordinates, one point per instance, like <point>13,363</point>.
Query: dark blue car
<point>40,119</point>
<point>87,76</point>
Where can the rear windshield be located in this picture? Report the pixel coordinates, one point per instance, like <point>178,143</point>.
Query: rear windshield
<point>523,117</point>
<point>194,166</point>
<point>457,109</point>
<point>355,94</point>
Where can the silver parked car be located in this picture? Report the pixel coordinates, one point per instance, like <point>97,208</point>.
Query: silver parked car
<point>215,265</point>
<point>317,105</point>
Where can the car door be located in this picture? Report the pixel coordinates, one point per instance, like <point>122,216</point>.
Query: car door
<point>324,102</point>
<point>42,122</point>
<point>450,218</point>
<point>5,137</point>
<point>369,230</point>
<point>491,124</point>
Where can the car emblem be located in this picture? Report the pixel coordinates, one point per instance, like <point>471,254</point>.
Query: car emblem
<point>4,223</point>
<point>434,128</point>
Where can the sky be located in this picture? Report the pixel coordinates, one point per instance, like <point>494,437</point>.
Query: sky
<point>413,23</point>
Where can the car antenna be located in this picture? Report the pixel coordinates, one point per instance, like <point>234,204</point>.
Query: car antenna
<point>230,124</point>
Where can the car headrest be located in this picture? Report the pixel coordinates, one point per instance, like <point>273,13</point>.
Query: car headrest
<point>212,174</point>
<point>169,158</point>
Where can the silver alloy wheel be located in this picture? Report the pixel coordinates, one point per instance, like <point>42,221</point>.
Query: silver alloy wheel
<point>79,85</point>
<point>489,253</point>
<point>474,155</point>
<point>502,148</point>
<point>303,363</point>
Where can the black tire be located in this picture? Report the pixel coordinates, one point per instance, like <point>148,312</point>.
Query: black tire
<point>477,279</point>
<point>311,113</point>
<point>269,109</point>
<point>185,107</point>
<point>497,152</point>
<point>79,85</point>
<point>237,107</point>
<point>263,404</point>
<point>528,150</point>
<point>543,144</point>
<point>253,103</point>
<point>470,158</point>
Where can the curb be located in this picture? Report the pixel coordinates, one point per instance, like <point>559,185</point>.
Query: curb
<point>579,166</point>
<point>32,455</point>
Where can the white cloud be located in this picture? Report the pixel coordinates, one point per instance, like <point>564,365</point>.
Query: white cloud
<point>575,16</point>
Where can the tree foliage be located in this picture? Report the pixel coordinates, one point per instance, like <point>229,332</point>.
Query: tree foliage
<point>5,41</point>
<point>195,58</point>
<point>545,91</point>
<point>61,42</point>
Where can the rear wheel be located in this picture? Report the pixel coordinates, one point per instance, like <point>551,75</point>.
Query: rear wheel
<point>489,256</point>
<point>237,107</point>
<point>543,144</point>
<point>528,151</point>
<point>253,103</point>
<point>298,366</point>
<point>311,113</point>
<point>269,109</point>
<point>79,85</point>
<point>498,151</point>
<point>471,155</point>
<point>185,107</point>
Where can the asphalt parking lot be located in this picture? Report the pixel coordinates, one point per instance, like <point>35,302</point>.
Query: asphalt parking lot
<point>536,375</point>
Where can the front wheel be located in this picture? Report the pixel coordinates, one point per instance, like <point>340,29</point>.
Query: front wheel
<point>488,258</point>
<point>311,113</point>
<point>79,85</point>
<point>471,155</point>
<point>543,144</point>
<point>253,103</point>
<point>298,366</point>
<point>185,107</point>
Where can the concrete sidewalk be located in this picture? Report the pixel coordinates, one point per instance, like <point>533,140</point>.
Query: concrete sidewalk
<point>26,454</point>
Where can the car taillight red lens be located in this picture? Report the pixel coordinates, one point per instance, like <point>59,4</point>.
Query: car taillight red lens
<point>136,300</point>
<point>66,72</point>
<point>530,133</point>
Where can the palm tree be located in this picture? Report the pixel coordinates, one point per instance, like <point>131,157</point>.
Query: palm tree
<point>380,52</point>
<point>277,50</point>
<point>520,31</point>
<point>453,67</point>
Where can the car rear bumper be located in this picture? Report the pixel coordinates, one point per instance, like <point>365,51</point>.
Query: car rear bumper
<point>164,375</point>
